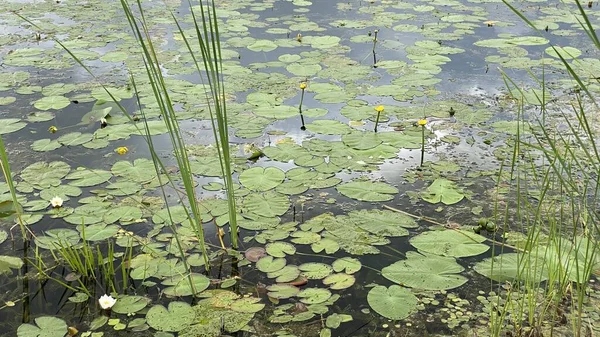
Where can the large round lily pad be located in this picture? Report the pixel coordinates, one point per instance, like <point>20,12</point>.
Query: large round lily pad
<point>262,179</point>
<point>425,272</point>
<point>368,190</point>
<point>45,326</point>
<point>394,302</point>
<point>177,317</point>
<point>455,243</point>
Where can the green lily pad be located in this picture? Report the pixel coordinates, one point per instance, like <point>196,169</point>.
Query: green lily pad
<point>45,326</point>
<point>141,170</point>
<point>180,285</point>
<point>262,45</point>
<point>286,274</point>
<point>84,177</point>
<point>262,179</point>
<point>443,190</point>
<point>280,249</point>
<point>51,102</point>
<point>455,243</point>
<point>127,304</point>
<point>430,272</point>
<point>45,145</point>
<point>315,270</point>
<point>177,317</point>
<point>567,53</point>
<point>512,266</point>
<point>282,291</point>
<point>98,231</point>
<point>75,138</point>
<point>361,140</point>
<point>368,191</point>
<point>382,222</point>
<point>57,237</point>
<point>9,262</point>
<point>247,305</point>
<point>43,175</point>
<point>328,127</point>
<point>339,281</point>
<point>394,303</point>
<point>269,204</point>
<point>9,125</point>
<point>268,264</point>
<point>328,245</point>
<point>314,295</point>
<point>348,264</point>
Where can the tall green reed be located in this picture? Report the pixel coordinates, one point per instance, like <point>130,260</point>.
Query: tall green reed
<point>560,222</point>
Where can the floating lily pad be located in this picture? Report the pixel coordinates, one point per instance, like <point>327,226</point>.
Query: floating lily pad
<point>361,140</point>
<point>9,262</point>
<point>247,305</point>
<point>43,174</point>
<point>45,326</point>
<point>455,243</point>
<point>443,190</point>
<point>281,291</point>
<point>180,285</point>
<point>384,223</point>
<point>315,270</point>
<point>286,274</point>
<point>348,264</point>
<point>425,272</point>
<point>177,317</point>
<point>280,249</point>
<point>339,281</point>
<point>393,303</point>
<point>368,191</point>
<point>328,127</point>
<point>262,179</point>
<point>51,102</point>
<point>512,266</point>
<point>8,125</point>
<point>314,295</point>
<point>127,304</point>
<point>268,264</point>
<point>269,204</point>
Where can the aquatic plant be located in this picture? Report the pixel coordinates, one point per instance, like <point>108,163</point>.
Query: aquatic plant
<point>561,225</point>
<point>422,123</point>
<point>379,110</point>
<point>302,87</point>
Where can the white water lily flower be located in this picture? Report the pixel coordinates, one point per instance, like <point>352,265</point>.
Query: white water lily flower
<point>106,301</point>
<point>56,202</point>
<point>360,162</point>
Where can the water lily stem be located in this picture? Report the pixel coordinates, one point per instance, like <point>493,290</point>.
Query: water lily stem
<point>300,110</point>
<point>422,144</point>
<point>377,120</point>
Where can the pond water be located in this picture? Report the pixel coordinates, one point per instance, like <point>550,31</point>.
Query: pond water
<point>408,231</point>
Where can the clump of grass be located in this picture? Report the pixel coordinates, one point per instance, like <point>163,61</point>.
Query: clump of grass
<point>560,223</point>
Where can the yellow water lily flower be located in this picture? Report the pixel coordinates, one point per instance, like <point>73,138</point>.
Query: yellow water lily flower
<point>422,122</point>
<point>122,150</point>
<point>303,85</point>
<point>52,129</point>
<point>379,108</point>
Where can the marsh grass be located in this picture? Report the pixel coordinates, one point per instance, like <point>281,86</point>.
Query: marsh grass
<point>209,66</point>
<point>556,182</point>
